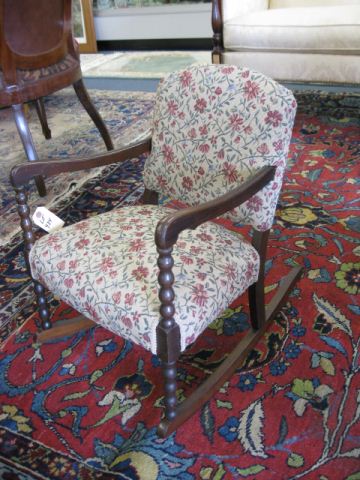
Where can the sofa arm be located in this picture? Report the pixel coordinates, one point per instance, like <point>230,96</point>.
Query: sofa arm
<point>231,8</point>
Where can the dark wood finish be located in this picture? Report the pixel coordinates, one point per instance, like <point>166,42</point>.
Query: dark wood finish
<point>156,44</point>
<point>29,239</point>
<point>28,144</point>
<point>86,102</point>
<point>169,227</point>
<point>23,173</point>
<point>150,197</point>
<point>232,362</point>
<point>287,284</point>
<point>65,328</point>
<point>217,26</point>
<point>40,110</point>
<point>166,235</point>
<point>167,332</point>
<point>257,290</point>
<point>34,35</point>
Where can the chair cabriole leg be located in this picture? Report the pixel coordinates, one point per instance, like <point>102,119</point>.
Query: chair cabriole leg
<point>86,102</point>
<point>40,109</point>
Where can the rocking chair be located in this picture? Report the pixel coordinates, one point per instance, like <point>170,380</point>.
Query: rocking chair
<point>158,276</point>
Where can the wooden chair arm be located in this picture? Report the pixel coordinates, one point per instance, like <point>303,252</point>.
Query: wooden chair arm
<point>170,226</point>
<point>22,173</point>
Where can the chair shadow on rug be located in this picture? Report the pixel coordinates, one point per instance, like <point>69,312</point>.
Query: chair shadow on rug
<point>158,276</point>
<point>39,56</point>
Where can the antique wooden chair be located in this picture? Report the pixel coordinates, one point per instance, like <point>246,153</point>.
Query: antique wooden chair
<point>39,56</point>
<point>220,143</point>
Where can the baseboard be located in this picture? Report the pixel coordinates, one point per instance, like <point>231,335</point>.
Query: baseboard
<point>156,44</point>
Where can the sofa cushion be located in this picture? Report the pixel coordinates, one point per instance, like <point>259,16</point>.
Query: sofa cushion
<point>331,29</point>
<point>299,67</point>
<point>310,3</point>
<point>105,267</point>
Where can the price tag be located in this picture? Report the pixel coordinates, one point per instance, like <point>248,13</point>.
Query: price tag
<point>47,220</point>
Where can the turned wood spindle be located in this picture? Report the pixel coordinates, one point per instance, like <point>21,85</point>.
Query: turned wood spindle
<point>168,333</point>
<point>216,21</point>
<point>29,240</point>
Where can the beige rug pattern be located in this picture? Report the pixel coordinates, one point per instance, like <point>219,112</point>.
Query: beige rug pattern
<point>140,64</point>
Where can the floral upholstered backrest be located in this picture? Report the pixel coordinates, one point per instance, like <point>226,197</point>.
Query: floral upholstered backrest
<point>214,126</point>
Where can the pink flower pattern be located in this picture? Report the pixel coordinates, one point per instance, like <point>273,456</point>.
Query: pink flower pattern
<point>250,115</point>
<point>127,303</point>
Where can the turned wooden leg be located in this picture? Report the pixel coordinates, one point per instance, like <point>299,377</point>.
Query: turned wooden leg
<point>168,337</point>
<point>169,374</point>
<point>27,141</point>
<point>40,109</point>
<point>43,307</point>
<point>29,240</point>
<point>84,98</point>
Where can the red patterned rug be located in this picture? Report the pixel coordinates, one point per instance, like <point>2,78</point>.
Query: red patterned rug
<point>87,407</point>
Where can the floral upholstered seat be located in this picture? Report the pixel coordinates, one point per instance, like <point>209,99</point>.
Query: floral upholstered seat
<point>159,276</point>
<point>104,268</point>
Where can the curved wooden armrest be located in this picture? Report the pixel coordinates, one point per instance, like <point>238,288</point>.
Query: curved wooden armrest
<point>22,173</point>
<point>170,226</point>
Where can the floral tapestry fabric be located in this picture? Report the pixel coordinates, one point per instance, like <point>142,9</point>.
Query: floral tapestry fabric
<point>214,127</point>
<point>106,268</point>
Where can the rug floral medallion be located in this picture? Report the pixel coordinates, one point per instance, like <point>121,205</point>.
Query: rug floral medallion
<point>87,406</point>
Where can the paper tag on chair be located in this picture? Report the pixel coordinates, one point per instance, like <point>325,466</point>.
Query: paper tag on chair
<point>47,220</point>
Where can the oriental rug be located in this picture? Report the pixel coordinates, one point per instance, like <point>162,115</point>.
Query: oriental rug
<point>86,407</point>
<point>141,64</point>
<point>126,114</point>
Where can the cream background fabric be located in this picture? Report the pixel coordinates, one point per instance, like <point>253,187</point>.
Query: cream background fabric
<point>105,267</point>
<point>215,127</point>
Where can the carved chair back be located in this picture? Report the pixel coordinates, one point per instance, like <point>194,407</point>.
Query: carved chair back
<point>37,47</point>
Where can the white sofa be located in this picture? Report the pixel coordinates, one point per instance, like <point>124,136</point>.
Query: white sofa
<point>315,41</point>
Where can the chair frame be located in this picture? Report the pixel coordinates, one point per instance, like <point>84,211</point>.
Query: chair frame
<point>15,95</point>
<point>217,26</point>
<point>167,231</point>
